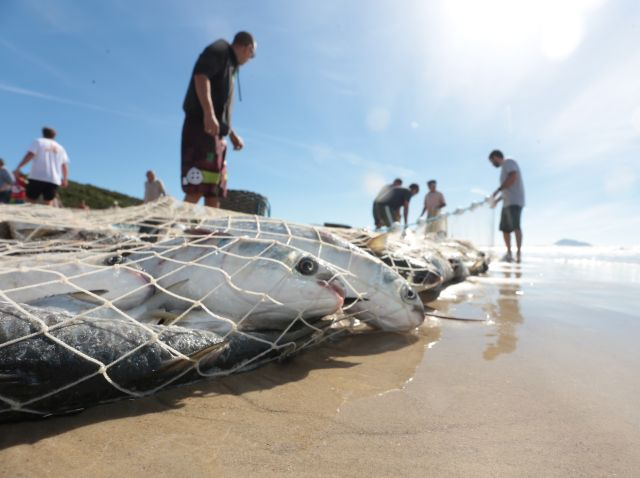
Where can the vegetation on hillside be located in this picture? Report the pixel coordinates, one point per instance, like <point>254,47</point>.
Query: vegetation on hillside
<point>94,197</point>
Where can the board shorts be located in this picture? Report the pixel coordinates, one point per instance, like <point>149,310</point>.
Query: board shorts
<point>203,165</point>
<point>384,214</point>
<point>36,188</point>
<point>510,218</point>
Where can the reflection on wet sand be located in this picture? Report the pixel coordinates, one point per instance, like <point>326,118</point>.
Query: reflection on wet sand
<point>505,313</point>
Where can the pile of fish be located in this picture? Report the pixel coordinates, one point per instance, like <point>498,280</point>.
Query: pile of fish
<point>208,297</point>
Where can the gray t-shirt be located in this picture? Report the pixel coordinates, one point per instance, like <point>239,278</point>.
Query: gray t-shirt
<point>513,196</point>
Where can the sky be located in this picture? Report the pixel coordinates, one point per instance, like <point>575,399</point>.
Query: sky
<point>344,96</point>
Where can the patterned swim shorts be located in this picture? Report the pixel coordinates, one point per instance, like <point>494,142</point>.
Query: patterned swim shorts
<point>204,170</point>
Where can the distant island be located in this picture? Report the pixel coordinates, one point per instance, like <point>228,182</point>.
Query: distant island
<point>572,242</point>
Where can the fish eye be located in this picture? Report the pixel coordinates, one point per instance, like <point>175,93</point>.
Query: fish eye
<point>408,294</point>
<point>113,260</point>
<point>307,266</point>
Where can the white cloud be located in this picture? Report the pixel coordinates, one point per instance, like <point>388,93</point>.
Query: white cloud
<point>44,96</point>
<point>619,181</point>
<point>373,183</point>
<point>378,119</point>
<point>635,119</point>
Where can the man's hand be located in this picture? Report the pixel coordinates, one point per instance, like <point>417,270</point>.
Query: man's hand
<point>64,183</point>
<point>236,140</point>
<point>211,125</point>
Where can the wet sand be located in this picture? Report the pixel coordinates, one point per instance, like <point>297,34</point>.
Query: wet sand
<point>548,385</point>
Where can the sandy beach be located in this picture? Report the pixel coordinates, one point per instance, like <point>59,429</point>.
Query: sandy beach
<point>547,385</point>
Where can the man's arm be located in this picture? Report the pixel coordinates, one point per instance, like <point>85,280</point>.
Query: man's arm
<point>203,91</point>
<point>508,182</point>
<point>162,191</point>
<point>443,203</point>
<point>27,157</point>
<point>65,175</point>
<point>406,212</point>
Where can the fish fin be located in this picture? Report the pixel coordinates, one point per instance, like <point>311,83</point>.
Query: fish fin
<point>378,243</point>
<point>86,297</point>
<point>200,231</point>
<point>204,357</point>
<point>157,317</point>
<point>177,284</point>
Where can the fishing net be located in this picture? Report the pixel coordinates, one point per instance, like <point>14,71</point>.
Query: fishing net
<point>435,252</point>
<point>99,305</point>
<point>121,303</point>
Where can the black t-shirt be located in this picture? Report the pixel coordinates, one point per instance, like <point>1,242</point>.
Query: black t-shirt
<point>395,197</point>
<point>218,63</point>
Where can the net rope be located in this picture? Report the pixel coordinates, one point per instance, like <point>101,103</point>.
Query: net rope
<point>101,305</point>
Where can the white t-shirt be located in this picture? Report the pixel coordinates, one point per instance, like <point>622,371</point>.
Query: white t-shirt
<point>48,160</point>
<point>154,190</point>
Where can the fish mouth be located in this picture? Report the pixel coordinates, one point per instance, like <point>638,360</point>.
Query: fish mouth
<point>336,287</point>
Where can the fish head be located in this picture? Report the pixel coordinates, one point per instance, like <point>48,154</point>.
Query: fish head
<point>298,280</point>
<point>387,301</point>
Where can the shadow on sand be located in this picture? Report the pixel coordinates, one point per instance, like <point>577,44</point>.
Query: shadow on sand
<point>331,355</point>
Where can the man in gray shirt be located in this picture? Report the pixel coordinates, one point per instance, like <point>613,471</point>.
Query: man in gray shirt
<point>512,190</point>
<point>153,188</point>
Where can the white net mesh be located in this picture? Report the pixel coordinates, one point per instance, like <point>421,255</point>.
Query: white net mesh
<point>100,305</point>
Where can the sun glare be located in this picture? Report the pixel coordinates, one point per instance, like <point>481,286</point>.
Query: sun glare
<point>499,28</point>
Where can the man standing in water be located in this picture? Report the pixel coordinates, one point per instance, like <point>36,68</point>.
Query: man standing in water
<point>512,190</point>
<point>207,108</point>
<point>49,169</point>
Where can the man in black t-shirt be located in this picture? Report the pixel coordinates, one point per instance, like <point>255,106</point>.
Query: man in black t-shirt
<point>389,204</point>
<point>207,108</point>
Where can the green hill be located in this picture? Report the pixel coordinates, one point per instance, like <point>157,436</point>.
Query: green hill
<point>93,196</point>
<point>99,198</point>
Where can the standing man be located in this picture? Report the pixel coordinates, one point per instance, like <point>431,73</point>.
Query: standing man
<point>153,188</point>
<point>207,108</point>
<point>433,202</point>
<point>512,190</point>
<point>6,182</point>
<point>385,189</point>
<point>389,205</point>
<point>49,169</point>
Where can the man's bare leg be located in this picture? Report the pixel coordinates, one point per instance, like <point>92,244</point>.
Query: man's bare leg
<point>211,201</point>
<point>507,242</point>
<point>518,244</point>
<point>192,197</point>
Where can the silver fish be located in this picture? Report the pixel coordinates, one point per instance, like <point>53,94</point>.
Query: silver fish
<point>375,294</point>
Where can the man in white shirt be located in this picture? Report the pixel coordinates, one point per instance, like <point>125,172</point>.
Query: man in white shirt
<point>512,189</point>
<point>49,169</point>
<point>153,188</point>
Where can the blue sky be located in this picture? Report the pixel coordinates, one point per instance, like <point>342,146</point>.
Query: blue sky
<point>343,96</point>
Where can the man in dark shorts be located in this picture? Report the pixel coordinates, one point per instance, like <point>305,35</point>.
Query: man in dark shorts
<point>512,189</point>
<point>49,169</point>
<point>207,108</point>
<point>389,204</point>
<point>385,189</point>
